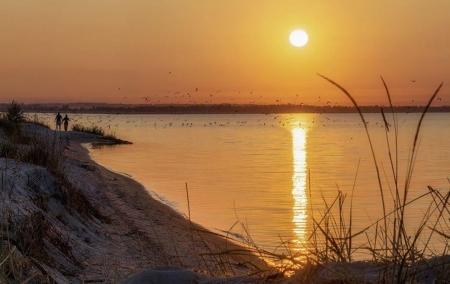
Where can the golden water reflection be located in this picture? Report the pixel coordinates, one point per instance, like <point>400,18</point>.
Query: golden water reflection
<point>299,177</point>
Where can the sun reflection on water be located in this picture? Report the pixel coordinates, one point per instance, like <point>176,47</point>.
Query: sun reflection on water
<point>299,177</point>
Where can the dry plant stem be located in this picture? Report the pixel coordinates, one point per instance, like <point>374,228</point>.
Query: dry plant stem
<point>401,228</point>
<point>31,278</point>
<point>393,164</point>
<point>394,169</point>
<point>175,246</point>
<point>371,148</point>
<point>416,139</point>
<point>231,228</point>
<point>351,215</point>
<point>443,202</point>
<point>217,261</point>
<point>190,225</point>
<point>6,258</point>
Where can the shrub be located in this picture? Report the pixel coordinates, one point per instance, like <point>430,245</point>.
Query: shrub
<point>14,113</point>
<point>11,129</point>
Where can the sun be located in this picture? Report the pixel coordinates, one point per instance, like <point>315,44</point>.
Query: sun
<point>298,38</point>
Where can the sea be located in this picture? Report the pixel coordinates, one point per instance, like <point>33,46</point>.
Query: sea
<point>273,180</point>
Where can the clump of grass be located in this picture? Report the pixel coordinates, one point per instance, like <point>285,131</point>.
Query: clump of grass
<point>96,130</point>
<point>112,137</point>
<point>37,120</point>
<point>39,153</point>
<point>93,129</point>
<point>29,234</point>
<point>8,149</point>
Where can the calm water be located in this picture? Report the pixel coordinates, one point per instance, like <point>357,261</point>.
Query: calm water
<point>273,173</point>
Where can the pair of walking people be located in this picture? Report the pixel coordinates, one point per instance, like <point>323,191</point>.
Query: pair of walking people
<point>59,120</point>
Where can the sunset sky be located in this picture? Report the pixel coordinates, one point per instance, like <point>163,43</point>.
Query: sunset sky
<point>224,51</point>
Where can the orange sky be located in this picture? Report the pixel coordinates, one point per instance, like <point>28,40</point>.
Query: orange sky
<point>232,51</point>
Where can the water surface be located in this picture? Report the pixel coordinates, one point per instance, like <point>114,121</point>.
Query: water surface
<point>267,175</point>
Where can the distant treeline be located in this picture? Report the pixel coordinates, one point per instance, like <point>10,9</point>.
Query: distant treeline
<point>213,108</point>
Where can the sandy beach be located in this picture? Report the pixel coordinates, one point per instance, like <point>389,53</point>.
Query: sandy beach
<point>142,232</point>
<point>132,231</point>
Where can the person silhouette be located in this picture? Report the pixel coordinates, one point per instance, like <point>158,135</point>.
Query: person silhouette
<point>58,119</point>
<point>66,122</point>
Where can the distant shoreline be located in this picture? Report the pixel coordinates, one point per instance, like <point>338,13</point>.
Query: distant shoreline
<point>214,108</point>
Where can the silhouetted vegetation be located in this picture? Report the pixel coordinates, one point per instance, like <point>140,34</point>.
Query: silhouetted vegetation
<point>14,113</point>
<point>11,119</point>
<point>96,130</point>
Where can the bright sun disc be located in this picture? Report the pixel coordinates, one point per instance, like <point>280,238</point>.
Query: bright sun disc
<point>298,38</point>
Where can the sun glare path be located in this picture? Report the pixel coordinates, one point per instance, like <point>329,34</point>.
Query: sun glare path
<point>299,186</point>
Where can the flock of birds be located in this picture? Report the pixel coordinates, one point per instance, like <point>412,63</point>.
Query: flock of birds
<point>194,96</point>
<point>115,122</point>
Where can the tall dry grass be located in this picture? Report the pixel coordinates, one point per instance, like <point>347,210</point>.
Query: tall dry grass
<point>392,243</point>
<point>402,251</point>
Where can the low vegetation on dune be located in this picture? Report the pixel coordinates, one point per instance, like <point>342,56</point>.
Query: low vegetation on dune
<point>96,130</point>
<point>36,202</point>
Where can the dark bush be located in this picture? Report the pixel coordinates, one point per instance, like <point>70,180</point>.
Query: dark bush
<point>11,129</point>
<point>14,113</point>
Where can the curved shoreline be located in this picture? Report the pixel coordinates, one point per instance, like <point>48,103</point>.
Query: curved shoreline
<point>152,193</point>
<point>144,232</point>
